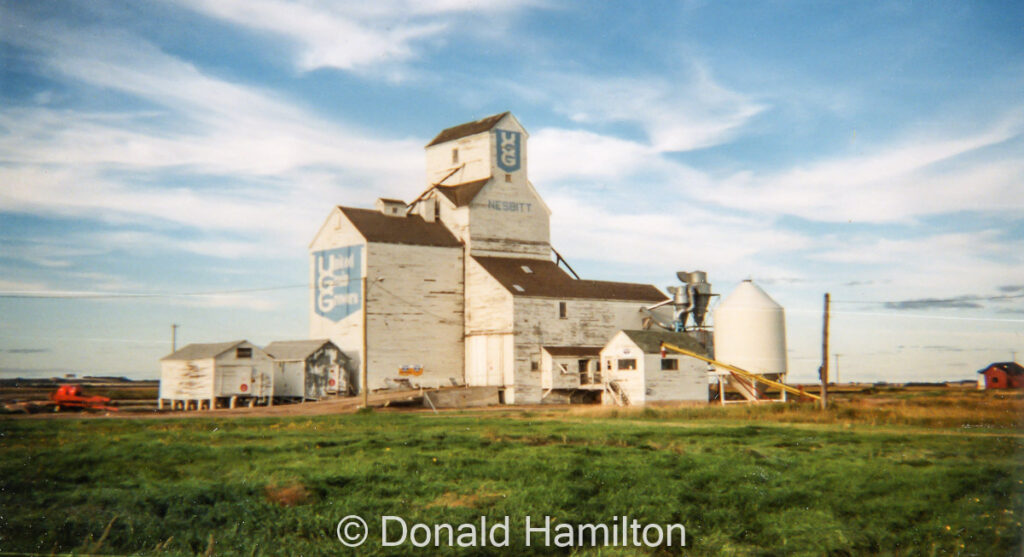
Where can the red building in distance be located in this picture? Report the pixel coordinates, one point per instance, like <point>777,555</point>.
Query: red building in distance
<point>1004,375</point>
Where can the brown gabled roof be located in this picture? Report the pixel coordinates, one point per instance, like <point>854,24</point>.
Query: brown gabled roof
<point>412,229</point>
<point>462,194</point>
<point>546,279</point>
<point>573,350</point>
<point>650,341</point>
<point>469,128</point>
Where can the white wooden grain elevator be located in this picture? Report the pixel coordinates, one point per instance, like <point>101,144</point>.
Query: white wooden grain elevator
<point>460,285</point>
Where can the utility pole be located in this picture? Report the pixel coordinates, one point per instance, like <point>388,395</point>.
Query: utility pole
<point>824,357</point>
<point>366,358</point>
<point>174,337</point>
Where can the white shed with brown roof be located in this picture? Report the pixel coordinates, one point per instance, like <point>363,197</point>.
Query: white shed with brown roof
<point>639,374</point>
<point>216,374</point>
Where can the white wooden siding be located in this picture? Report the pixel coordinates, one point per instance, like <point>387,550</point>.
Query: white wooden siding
<point>587,323</point>
<point>688,383</point>
<point>186,380</point>
<point>475,159</point>
<point>289,378</point>
<point>559,372</point>
<point>416,313</point>
<point>630,380</point>
<point>346,334</point>
<point>222,376</point>
<point>489,360</point>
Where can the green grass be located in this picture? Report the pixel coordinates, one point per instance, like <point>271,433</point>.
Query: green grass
<point>279,486</point>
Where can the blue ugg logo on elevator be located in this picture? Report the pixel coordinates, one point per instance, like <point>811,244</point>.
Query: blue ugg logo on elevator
<point>509,150</point>
<point>338,290</point>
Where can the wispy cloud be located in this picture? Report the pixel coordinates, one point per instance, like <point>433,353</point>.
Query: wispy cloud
<point>352,35</point>
<point>962,302</point>
<point>968,301</point>
<point>135,165</point>
<point>558,154</point>
<point>604,233</point>
<point>891,182</point>
<point>689,111</point>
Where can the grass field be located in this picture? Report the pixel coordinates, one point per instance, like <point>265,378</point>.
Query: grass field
<point>882,478</point>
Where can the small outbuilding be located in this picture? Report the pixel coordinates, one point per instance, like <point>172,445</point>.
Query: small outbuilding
<point>636,371</point>
<point>1003,375</point>
<point>224,372</point>
<point>568,367</point>
<point>570,374</point>
<point>308,369</point>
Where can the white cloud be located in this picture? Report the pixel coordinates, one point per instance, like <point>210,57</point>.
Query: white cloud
<point>557,154</point>
<point>891,182</point>
<point>683,113</point>
<point>677,234</point>
<point>285,165</point>
<point>936,265</point>
<point>351,35</point>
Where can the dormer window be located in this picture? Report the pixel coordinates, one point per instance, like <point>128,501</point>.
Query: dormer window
<point>391,207</point>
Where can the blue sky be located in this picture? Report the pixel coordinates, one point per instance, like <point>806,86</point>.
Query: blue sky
<point>168,162</point>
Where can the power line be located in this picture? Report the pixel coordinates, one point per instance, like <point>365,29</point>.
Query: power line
<point>96,295</point>
<point>101,295</point>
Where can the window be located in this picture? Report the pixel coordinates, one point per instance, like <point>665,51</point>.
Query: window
<point>243,353</point>
<point>455,156</point>
<point>508,177</point>
<point>534,365</point>
<point>518,288</point>
<point>562,310</point>
<point>437,209</point>
<point>669,364</point>
<point>526,269</point>
<point>627,364</point>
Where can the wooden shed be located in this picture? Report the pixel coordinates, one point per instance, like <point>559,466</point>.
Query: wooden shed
<point>1003,375</point>
<point>308,369</point>
<point>220,373</point>
<point>569,367</point>
<point>632,365</point>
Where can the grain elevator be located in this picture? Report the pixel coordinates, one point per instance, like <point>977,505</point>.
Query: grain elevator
<point>460,285</point>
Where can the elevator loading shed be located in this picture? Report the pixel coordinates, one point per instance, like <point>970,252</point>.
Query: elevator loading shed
<point>224,372</point>
<point>633,365</point>
<point>308,369</point>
